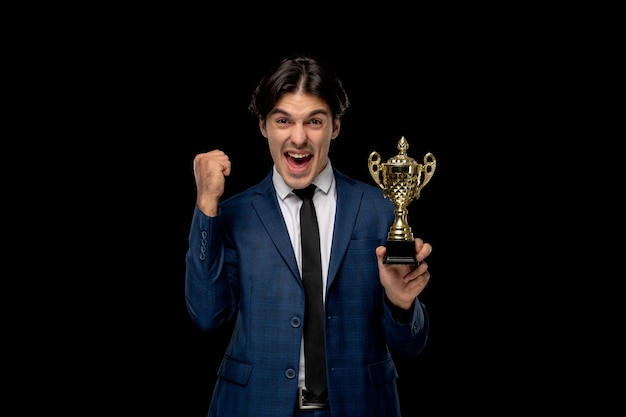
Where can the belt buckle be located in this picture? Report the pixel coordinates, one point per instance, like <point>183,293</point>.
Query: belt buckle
<point>308,405</point>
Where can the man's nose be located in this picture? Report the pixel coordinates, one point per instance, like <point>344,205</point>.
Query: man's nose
<point>298,134</point>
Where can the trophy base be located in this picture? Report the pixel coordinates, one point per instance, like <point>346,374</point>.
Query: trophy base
<point>400,252</point>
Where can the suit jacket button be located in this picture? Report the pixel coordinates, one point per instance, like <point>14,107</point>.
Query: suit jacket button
<point>295,322</point>
<point>290,373</point>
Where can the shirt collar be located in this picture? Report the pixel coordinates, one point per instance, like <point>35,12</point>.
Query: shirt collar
<point>323,181</point>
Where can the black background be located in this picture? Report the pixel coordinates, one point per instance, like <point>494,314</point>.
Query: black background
<point>159,96</point>
<point>449,108</point>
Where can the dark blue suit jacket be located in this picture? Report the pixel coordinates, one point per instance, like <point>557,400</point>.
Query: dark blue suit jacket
<point>240,264</point>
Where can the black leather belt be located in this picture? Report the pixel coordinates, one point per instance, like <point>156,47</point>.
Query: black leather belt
<point>308,401</point>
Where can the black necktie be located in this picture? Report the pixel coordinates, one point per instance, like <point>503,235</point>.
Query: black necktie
<point>314,352</point>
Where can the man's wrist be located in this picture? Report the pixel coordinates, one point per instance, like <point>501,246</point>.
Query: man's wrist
<point>399,313</point>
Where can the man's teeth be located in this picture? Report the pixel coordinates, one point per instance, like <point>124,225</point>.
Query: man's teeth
<point>299,156</point>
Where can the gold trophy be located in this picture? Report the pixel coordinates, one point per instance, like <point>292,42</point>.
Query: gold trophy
<point>402,180</point>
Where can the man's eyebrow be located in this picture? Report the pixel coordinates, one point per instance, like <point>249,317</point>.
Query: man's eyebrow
<point>315,112</point>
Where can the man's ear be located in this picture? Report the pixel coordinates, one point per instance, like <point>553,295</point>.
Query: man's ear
<point>262,128</point>
<point>336,128</point>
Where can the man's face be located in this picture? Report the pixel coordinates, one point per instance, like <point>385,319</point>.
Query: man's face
<point>298,131</point>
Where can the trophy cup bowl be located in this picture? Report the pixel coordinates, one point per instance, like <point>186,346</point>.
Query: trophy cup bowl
<point>401,178</point>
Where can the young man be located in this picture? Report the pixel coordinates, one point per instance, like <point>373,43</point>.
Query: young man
<point>244,262</point>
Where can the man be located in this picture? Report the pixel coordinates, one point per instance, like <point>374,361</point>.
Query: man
<point>244,262</point>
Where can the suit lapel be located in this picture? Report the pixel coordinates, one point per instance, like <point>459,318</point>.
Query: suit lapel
<point>269,213</point>
<point>348,201</point>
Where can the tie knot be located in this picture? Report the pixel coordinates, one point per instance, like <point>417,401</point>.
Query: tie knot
<point>306,193</point>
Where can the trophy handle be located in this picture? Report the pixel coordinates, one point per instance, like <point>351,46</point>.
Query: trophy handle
<point>429,168</point>
<point>375,166</point>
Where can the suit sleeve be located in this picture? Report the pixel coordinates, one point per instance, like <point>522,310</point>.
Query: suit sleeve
<point>407,338</point>
<point>208,296</point>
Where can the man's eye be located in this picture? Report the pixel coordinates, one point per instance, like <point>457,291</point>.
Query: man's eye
<point>282,121</point>
<point>316,122</point>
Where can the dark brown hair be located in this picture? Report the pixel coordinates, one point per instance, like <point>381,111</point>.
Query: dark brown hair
<point>299,73</point>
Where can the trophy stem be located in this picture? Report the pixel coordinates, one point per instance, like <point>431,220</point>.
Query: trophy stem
<point>400,229</point>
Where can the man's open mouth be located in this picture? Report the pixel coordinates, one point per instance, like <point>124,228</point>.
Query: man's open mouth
<point>298,158</point>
